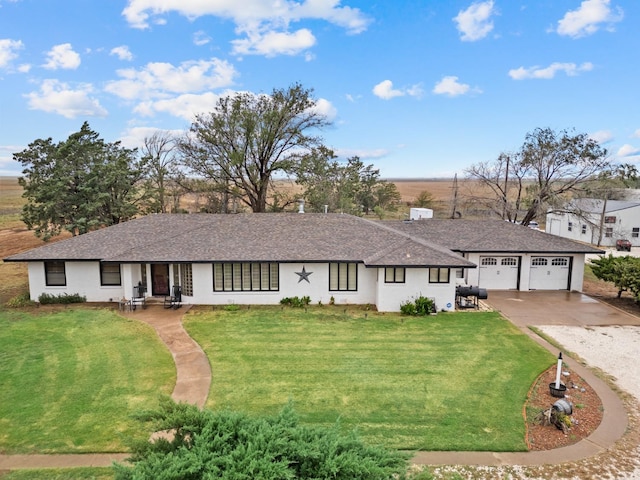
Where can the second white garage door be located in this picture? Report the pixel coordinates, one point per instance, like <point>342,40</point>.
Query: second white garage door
<point>550,273</point>
<point>499,273</point>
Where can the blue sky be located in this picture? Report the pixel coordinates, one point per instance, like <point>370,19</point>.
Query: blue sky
<point>417,88</point>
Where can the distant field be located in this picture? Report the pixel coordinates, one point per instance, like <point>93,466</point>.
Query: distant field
<point>442,191</point>
<point>10,196</point>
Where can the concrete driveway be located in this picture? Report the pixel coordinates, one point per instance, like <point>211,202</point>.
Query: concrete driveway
<point>556,308</point>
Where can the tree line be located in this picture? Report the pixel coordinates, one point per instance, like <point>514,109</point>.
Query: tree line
<point>230,156</point>
<point>233,155</point>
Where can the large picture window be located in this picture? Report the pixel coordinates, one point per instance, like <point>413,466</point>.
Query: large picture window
<point>438,275</point>
<point>54,272</point>
<point>343,277</point>
<point>394,275</point>
<point>109,274</point>
<point>245,277</point>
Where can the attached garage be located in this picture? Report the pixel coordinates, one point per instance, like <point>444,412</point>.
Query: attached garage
<point>550,273</point>
<point>508,256</point>
<point>499,273</point>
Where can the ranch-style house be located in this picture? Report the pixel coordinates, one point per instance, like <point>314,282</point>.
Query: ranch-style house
<point>339,258</point>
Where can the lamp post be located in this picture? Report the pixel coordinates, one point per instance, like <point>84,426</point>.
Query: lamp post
<point>559,371</point>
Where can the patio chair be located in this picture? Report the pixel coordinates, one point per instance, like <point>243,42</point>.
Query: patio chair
<point>139,297</point>
<point>175,299</point>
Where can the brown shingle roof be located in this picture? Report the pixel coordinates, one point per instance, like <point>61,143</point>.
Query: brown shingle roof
<point>264,237</point>
<point>490,236</point>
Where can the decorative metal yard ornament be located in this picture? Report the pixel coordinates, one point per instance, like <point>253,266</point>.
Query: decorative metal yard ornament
<point>559,370</point>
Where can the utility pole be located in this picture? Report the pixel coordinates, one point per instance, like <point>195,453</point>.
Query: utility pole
<point>504,192</point>
<point>454,201</point>
<point>602,214</point>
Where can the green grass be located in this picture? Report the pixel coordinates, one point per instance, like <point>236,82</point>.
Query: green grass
<point>60,474</point>
<point>70,380</point>
<point>446,382</point>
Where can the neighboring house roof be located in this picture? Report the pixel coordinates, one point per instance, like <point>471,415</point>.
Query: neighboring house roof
<point>491,236</point>
<point>265,237</point>
<point>594,205</point>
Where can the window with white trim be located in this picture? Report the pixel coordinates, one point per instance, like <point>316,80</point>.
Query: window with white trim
<point>559,262</point>
<point>343,277</point>
<point>611,219</point>
<point>608,232</point>
<point>244,277</point>
<point>110,274</point>
<point>439,275</point>
<point>509,261</point>
<point>570,226</point>
<point>539,262</point>
<point>489,261</point>
<point>635,232</point>
<point>55,274</point>
<point>183,276</point>
<point>394,275</point>
<point>583,231</point>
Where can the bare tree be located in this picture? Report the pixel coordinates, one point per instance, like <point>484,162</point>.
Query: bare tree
<point>160,154</point>
<point>549,168</point>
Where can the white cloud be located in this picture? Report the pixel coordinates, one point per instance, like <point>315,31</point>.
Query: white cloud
<point>122,52</point>
<point>386,91</point>
<point>361,153</point>
<point>9,51</point>
<point>271,44</point>
<point>62,56</point>
<point>57,97</point>
<point>571,69</point>
<point>201,38</point>
<point>601,136</point>
<point>475,23</point>
<point>588,18</point>
<point>636,134</point>
<point>264,24</point>
<point>185,106</point>
<point>248,12</point>
<point>158,80</point>
<point>452,87</point>
<point>325,108</point>
<point>628,151</point>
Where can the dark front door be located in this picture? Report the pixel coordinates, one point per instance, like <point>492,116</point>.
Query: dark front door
<point>160,279</point>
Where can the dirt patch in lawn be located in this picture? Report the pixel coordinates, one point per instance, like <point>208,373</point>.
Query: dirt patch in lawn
<point>585,417</point>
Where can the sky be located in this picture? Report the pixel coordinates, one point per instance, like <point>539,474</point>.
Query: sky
<point>418,88</point>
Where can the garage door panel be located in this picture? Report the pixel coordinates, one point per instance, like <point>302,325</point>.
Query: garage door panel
<point>549,273</point>
<point>499,273</point>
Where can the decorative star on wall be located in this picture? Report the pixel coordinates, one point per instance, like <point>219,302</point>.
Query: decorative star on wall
<point>304,275</point>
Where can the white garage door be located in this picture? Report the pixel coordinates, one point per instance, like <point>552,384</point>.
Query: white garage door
<point>499,273</point>
<point>549,273</point>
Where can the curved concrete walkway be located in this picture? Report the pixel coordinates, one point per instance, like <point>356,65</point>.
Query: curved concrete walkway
<point>194,379</point>
<point>193,372</point>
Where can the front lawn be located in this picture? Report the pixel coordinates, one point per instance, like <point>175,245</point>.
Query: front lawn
<point>71,379</point>
<point>448,382</point>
